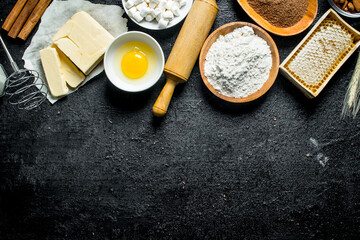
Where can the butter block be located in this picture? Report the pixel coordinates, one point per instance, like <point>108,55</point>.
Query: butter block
<point>71,74</point>
<point>83,40</point>
<point>51,64</point>
<point>59,71</point>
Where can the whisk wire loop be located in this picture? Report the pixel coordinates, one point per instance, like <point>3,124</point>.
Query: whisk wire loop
<point>24,87</point>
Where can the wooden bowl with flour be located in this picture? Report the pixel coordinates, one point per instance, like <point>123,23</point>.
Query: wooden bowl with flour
<point>226,29</point>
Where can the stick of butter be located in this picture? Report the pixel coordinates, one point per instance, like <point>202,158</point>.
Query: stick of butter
<point>71,74</point>
<point>59,70</point>
<point>83,40</point>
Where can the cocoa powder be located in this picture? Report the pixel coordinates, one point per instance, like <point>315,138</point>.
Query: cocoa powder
<point>280,13</point>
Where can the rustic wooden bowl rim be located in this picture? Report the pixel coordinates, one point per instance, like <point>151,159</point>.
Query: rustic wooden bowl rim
<point>227,28</point>
<point>299,27</point>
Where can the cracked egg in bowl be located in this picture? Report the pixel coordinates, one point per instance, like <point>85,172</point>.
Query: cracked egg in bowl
<point>134,62</point>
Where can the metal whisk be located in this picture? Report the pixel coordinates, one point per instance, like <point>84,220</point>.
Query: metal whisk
<point>24,87</point>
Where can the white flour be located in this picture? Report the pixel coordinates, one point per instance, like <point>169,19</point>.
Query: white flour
<point>238,64</point>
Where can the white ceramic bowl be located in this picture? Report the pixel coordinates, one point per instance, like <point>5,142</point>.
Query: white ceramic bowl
<point>110,66</point>
<point>153,25</point>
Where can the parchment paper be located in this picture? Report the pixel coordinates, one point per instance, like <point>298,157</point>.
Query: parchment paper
<point>57,14</point>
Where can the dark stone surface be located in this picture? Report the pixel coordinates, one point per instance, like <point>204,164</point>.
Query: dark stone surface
<point>97,165</point>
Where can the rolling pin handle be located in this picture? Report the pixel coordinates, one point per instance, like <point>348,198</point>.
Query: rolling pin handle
<point>162,103</point>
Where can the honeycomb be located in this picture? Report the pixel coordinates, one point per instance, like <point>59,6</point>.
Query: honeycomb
<point>320,54</point>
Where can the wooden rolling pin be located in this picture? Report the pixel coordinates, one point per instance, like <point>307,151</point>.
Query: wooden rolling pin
<point>186,50</point>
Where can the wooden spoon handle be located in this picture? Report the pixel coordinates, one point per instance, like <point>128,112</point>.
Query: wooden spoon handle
<point>162,103</point>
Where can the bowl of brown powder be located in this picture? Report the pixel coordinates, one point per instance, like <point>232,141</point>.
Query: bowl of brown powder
<point>281,17</point>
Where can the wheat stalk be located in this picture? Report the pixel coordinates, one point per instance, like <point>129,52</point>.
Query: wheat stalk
<point>351,104</point>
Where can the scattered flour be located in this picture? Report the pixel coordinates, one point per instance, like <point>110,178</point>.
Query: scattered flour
<point>238,64</point>
<point>320,157</point>
<point>314,142</point>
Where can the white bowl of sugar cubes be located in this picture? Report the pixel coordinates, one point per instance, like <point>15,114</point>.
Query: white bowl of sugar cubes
<point>157,14</point>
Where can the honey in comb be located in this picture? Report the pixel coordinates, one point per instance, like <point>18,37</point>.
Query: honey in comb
<point>320,54</point>
<point>322,67</point>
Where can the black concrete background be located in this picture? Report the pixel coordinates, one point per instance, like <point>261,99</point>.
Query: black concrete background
<point>97,165</point>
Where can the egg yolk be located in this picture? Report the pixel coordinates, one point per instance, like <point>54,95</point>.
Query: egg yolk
<point>134,64</point>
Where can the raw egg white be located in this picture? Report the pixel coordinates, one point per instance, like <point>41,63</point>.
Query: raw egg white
<point>135,62</point>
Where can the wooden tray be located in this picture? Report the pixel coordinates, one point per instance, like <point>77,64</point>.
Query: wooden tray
<point>314,90</point>
<point>303,24</point>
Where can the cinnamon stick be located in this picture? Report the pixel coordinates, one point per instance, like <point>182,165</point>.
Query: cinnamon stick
<point>9,21</point>
<point>21,19</point>
<point>33,19</point>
